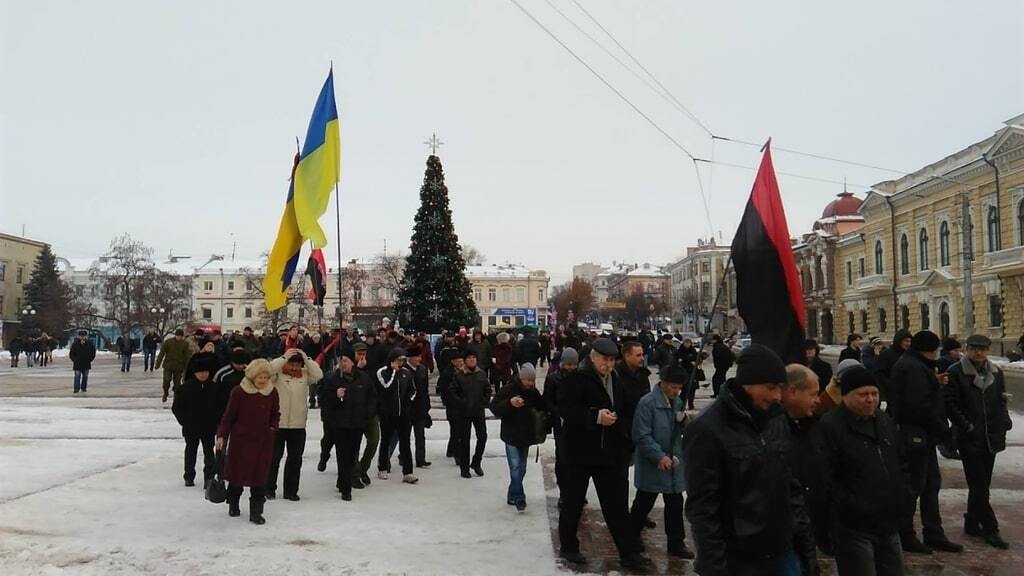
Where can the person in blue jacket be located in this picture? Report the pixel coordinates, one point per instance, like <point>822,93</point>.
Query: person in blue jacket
<point>657,430</point>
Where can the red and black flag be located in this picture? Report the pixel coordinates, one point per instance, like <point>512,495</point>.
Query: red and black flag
<point>317,270</point>
<point>768,295</point>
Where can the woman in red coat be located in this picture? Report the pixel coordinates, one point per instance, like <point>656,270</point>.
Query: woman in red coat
<point>248,428</point>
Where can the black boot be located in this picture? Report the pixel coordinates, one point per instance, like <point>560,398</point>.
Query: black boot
<point>256,511</point>
<point>233,509</point>
<point>972,527</point>
<point>322,464</point>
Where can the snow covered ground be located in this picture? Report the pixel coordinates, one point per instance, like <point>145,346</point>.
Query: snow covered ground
<point>93,486</point>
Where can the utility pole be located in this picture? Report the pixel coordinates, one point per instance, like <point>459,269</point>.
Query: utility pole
<point>967,229</point>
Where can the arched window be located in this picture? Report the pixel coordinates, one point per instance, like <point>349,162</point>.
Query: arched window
<point>904,255</point>
<point>905,317</point>
<point>926,321</point>
<point>851,322</point>
<point>864,321</point>
<point>878,257</point>
<point>881,320</point>
<point>994,243</point>
<point>922,248</point>
<point>1020,223</point>
<point>944,319</point>
<point>944,242</point>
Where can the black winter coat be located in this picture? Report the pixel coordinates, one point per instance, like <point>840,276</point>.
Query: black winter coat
<point>849,354</point>
<point>150,342</point>
<point>551,385</point>
<point>81,354</point>
<point>722,356</point>
<point>421,405</point>
<point>886,362</point>
<point>867,491</point>
<point>396,392</point>
<point>742,500</point>
<point>581,395</point>
<point>916,401</point>
<point>807,462</point>
<point>528,350</point>
<point>663,355</point>
<point>637,383</point>
<point>359,405</point>
<point>687,358</point>
<point>980,416</point>
<point>823,370</point>
<point>482,351</point>
<point>519,425</point>
<point>198,407</point>
<point>469,394</point>
<point>376,357</point>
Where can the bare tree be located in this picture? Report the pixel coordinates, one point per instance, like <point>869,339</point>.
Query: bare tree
<point>577,296</point>
<point>116,274</point>
<point>472,256</point>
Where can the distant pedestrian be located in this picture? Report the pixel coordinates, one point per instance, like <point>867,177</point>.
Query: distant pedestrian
<point>950,355</point>
<point>521,409</point>
<point>977,407</point>
<point>174,355</point>
<point>15,347</point>
<point>247,432</point>
<point>82,354</point>
<point>150,342</point>
<point>723,359</point>
<point>125,349</point>
<point>812,359</point>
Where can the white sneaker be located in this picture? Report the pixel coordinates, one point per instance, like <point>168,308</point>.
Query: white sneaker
<point>410,479</point>
<point>382,474</point>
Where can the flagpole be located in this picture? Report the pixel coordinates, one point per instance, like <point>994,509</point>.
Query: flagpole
<point>337,217</point>
<point>718,294</point>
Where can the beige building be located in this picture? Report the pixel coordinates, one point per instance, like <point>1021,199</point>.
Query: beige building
<point>694,282</point>
<point>17,259</point>
<point>905,267</point>
<point>509,296</point>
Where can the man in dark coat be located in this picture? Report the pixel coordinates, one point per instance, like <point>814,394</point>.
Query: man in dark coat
<point>348,401</point>
<point>396,393</point>
<point>376,354</point>
<point>230,376</point>
<point>15,348</point>
<point>663,353</point>
<point>745,508</point>
<point>865,475</point>
<point>806,461</point>
<point>480,347</point>
<point>597,420</point>
<point>950,355</point>
<point>421,406</point>
<point>150,342</point>
<point>918,408</point>
<point>518,405</point>
<point>568,361</point>
<point>852,349</point>
<point>528,349</point>
<point>444,384</point>
<point>976,404</point>
<point>635,378</point>
<point>82,354</point>
<point>887,360</point>
<point>198,407</point>
<point>813,360</point>
<point>723,359</point>
<point>469,394</point>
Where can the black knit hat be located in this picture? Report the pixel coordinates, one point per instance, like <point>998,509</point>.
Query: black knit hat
<point>675,375</point>
<point>856,377</point>
<point>950,343</point>
<point>240,356</point>
<point>395,354</point>
<point>203,362</point>
<point>759,364</point>
<point>925,341</point>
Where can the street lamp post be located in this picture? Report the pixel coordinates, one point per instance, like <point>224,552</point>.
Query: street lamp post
<point>160,325</point>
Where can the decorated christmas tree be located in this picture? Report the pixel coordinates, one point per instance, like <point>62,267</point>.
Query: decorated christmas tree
<point>48,295</point>
<point>435,294</point>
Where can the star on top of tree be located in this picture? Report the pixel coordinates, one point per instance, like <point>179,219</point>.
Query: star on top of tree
<point>434,143</point>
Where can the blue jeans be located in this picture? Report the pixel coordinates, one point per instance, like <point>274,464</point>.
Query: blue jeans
<point>148,359</point>
<point>81,380</point>
<point>517,458</point>
<point>126,362</point>
<point>786,564</point>
<point>30,358</point>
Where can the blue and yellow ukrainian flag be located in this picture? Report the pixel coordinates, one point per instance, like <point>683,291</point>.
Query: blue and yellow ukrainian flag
<point>316,170</point>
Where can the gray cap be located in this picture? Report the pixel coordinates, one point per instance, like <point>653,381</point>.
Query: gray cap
<point>569,356</point>
<point>846,365</point>
<point>527,372</point>
<point>605,347</point>
<point>979,341</point>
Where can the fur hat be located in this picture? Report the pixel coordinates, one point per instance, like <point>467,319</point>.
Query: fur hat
<point>257,367</point>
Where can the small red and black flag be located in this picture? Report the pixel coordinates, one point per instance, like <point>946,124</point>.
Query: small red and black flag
<point>768,295</point>
<point>317,270</point>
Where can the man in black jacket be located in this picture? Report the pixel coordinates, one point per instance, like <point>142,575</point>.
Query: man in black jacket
<point>198,408</point>
<point>348,401</point>
<point>950,355</point>
<point>918,408</point>
<point>396,392</point>
<point>800,398</point>
<point>865,475</point>
<point>82,354</point>
<point>887,360</point>
<point>745,508</point>
<point>469,395</point>
<point>631,371</point>
<point>822,369</point>
<point>597,421</point>
<point>723,359</point>
<point>568,362</point>
<point>528,349</point>
<point>149,344</point>
<point>852,349</point>
<point>421,405</point>
<point>976,405</point>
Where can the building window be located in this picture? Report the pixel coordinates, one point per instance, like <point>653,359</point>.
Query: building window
<point>1,305</point>
<point>994,242</point>
<point>520,294</point>
<point>207,313</point>
<point>492,320</point>
<point>849,273</point>
<point>3,265</point>
<point>230,312</point>
<point>904,255</point>
<point>231,285</point>
<point>881,321</point>
<point>944,320</point>
<point>905,317</point>
<point>922,248</point>
<point>1020,229</point>
<point>944,244</point>
<point>520,320</point>
<point>705,266</point>
<point>878,257</point>
<point>860,263</point>
<point>248,312</point>
<point>851,322</point>
<point>248,285</point>
<point>208,285</point>
<point>492,295</point>
<point>478,294</point>
<point>19,276</point>
<point>864,321</point>
<point>506,294</point>
<point>995,310</point>
<point>926,320</point>
<point>540,295</point>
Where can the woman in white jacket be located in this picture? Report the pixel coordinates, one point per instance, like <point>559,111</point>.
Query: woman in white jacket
<point>292,374</point>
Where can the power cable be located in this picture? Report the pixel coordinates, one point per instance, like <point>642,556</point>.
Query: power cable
<point>813,155</point>
<point>790,174</point>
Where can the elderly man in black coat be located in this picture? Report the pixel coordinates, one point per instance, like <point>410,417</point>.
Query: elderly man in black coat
<point>597,418</point>
<point>198,407</point>
<point>745,508</point>
<point>917,405</point>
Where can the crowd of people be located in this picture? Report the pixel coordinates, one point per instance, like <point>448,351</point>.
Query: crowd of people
<point>38,350</point>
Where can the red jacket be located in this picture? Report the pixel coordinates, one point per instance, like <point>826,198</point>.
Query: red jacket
<point>249,425</point>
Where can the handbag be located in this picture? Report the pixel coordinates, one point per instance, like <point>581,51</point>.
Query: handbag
<point>216,492</point>
<point>540,426</point>
<point>699,376</point>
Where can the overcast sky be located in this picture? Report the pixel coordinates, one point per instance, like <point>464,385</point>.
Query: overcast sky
<point>176,121</point>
